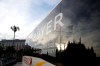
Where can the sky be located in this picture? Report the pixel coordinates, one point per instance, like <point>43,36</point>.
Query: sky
<point>26,14</point>
<point>81,18</point>
<point>84,15</point>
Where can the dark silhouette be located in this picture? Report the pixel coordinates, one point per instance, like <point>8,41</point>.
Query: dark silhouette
<point>14,28</point>
<point>10,52</point>
<point>77,54</point>
<point>1,51</point>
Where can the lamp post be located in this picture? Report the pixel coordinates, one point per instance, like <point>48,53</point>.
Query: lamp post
<point>14,28</point>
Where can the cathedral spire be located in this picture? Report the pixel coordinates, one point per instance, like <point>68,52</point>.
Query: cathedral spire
<point>80,40</point>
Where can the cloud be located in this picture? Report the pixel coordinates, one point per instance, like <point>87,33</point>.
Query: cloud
<point>26,14</point>
<point>81,19</point>
<point>85,20</point>
<point>12,12</point>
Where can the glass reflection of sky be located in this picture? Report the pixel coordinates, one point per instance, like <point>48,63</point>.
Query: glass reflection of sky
<point>80,19</point>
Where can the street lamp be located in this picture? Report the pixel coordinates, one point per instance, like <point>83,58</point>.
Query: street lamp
<point>14,28</point>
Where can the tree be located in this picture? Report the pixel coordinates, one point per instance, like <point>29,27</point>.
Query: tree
<point>1,51</point>
<point>10,51</point>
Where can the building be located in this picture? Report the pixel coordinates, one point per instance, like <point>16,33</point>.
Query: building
<point>17,43</point>
<point>68,21</point>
